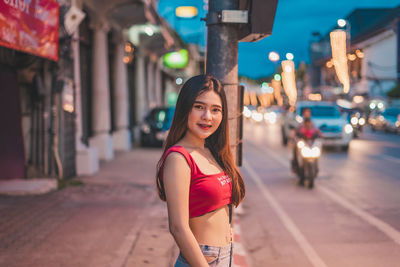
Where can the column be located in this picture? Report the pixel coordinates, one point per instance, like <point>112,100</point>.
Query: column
<point>150,84</point>
<point>140,94</point>
<point>157,85</point>
<point>122,136</point>
<point>101,119</point>
<point>87,159</point>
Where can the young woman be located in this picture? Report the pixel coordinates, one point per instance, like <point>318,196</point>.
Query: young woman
<point>197,175</point>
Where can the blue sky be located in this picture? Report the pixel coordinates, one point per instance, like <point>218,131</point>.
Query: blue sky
<point>295,20</point>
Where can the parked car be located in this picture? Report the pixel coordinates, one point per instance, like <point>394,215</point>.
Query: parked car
<point>376,120</point>
<point>272,114</point>
<point>155,126</point>
<point>326,116</point>
<point>391,119</point>
<point>356,118</point>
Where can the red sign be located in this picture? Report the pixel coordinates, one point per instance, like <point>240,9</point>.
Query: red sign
<point>30,26</point>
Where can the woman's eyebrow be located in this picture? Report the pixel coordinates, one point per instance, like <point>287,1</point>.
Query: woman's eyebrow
<point>203,103</point>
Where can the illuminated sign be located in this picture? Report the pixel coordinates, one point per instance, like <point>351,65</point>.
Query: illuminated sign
<point>171,99</point>
<point>186,11</point>
<point>176,60</point>
<point>30,26</point>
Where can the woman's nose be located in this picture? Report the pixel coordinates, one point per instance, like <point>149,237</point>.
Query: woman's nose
<point>206,114</point>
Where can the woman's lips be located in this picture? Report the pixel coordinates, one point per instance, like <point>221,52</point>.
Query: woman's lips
<point>204,126</point>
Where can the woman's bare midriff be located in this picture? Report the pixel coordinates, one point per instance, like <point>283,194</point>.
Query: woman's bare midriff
<point>212,228</point>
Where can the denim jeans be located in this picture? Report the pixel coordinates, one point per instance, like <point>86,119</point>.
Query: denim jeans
<point>223,256</point>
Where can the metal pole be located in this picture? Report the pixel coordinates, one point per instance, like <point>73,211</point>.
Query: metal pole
<point>398,50</point>
<point>222,62</point>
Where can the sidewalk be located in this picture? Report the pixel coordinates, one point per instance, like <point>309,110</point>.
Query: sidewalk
<point>115,219</point>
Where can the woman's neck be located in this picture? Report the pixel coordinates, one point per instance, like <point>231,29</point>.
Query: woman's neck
<point>192,141</point>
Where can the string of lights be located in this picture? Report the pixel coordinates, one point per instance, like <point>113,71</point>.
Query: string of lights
<point>289,81</point>
<point>339,58</point>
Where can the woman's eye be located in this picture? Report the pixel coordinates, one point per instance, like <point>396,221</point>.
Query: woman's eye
<point>216,110</point>
<point>198,106</point>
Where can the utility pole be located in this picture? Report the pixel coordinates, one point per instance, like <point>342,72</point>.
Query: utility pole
<point>222,61</point>
<point>228,22</point>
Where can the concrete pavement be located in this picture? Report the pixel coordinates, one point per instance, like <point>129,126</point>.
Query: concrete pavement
<point>114,219</point>
<point>351,217</point>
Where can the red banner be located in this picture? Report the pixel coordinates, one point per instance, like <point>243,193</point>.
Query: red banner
<point>30,26</point>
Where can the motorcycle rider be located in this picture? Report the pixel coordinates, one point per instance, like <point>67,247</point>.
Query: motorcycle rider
<point>305,130</point>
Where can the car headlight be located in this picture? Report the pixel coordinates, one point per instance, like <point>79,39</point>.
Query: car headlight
<point>270,117</point>
<point>299,119</point>
<point>247,113</point>
<point>145,128</point>
<point>348,129</point>
<point>361,121</point>
<point>354,120</point>
<point>300,144</point>
<point>257,116</point>
<point>316,152</point>
<point>308,152</point>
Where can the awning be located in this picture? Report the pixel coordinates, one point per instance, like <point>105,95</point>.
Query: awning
<point>127,13</point>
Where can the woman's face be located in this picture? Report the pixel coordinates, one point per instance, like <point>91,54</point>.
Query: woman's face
<point>206,115</point>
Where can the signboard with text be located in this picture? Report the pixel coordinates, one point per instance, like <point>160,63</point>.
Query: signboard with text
<point>30,26</point>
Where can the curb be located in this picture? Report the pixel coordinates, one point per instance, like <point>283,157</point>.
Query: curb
<point>239,256</point>
<point>23,187</point>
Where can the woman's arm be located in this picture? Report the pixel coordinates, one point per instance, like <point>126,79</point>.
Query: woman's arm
<point>176,175</point>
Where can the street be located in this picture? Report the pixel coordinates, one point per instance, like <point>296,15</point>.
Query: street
<point>350,218</point>
<point>91,89</point>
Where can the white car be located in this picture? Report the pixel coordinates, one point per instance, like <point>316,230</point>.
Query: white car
<point>325,116</point>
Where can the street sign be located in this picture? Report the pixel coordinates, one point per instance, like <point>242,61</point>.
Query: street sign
<point>261,19</point>
<point>234,16</point>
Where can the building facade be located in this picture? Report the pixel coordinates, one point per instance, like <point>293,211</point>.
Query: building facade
<point>62,116</point>
<point>372,52</point>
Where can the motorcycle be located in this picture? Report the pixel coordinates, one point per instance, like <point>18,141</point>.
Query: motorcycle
<point>308,153</point>
<point>358,122</point>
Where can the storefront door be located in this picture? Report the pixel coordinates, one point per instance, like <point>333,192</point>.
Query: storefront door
<point>12,160</point>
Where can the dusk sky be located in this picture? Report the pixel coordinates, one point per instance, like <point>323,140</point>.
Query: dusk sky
<point>295,20</point>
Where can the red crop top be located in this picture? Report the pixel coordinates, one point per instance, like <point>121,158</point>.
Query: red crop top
<point>206,192</point>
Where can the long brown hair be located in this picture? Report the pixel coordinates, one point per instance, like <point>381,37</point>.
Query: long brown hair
<point>218,142</point>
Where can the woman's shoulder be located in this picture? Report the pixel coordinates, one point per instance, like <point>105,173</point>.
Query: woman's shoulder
<point>177,155</point>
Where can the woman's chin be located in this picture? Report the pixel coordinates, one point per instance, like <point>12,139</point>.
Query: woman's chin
<point>203,135</point>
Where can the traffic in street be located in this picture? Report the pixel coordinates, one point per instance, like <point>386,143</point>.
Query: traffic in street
<point>350,218</point>
<point>235,133</point>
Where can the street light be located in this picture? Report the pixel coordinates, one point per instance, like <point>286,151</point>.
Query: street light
<point>277,77</point>
<point>187,12</point>
<point>341,23</point>
<point>179,81</point>
<point>289,56</point>
<point>148,30</point>
<point>359,53</point>
<point>273,56</point>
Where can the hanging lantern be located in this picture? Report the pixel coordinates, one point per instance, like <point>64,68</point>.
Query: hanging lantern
<point>253,99</point>
<point>339,58</point>
<point>246,99</point>
<point>289,81</point>
<point>277,91</point>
